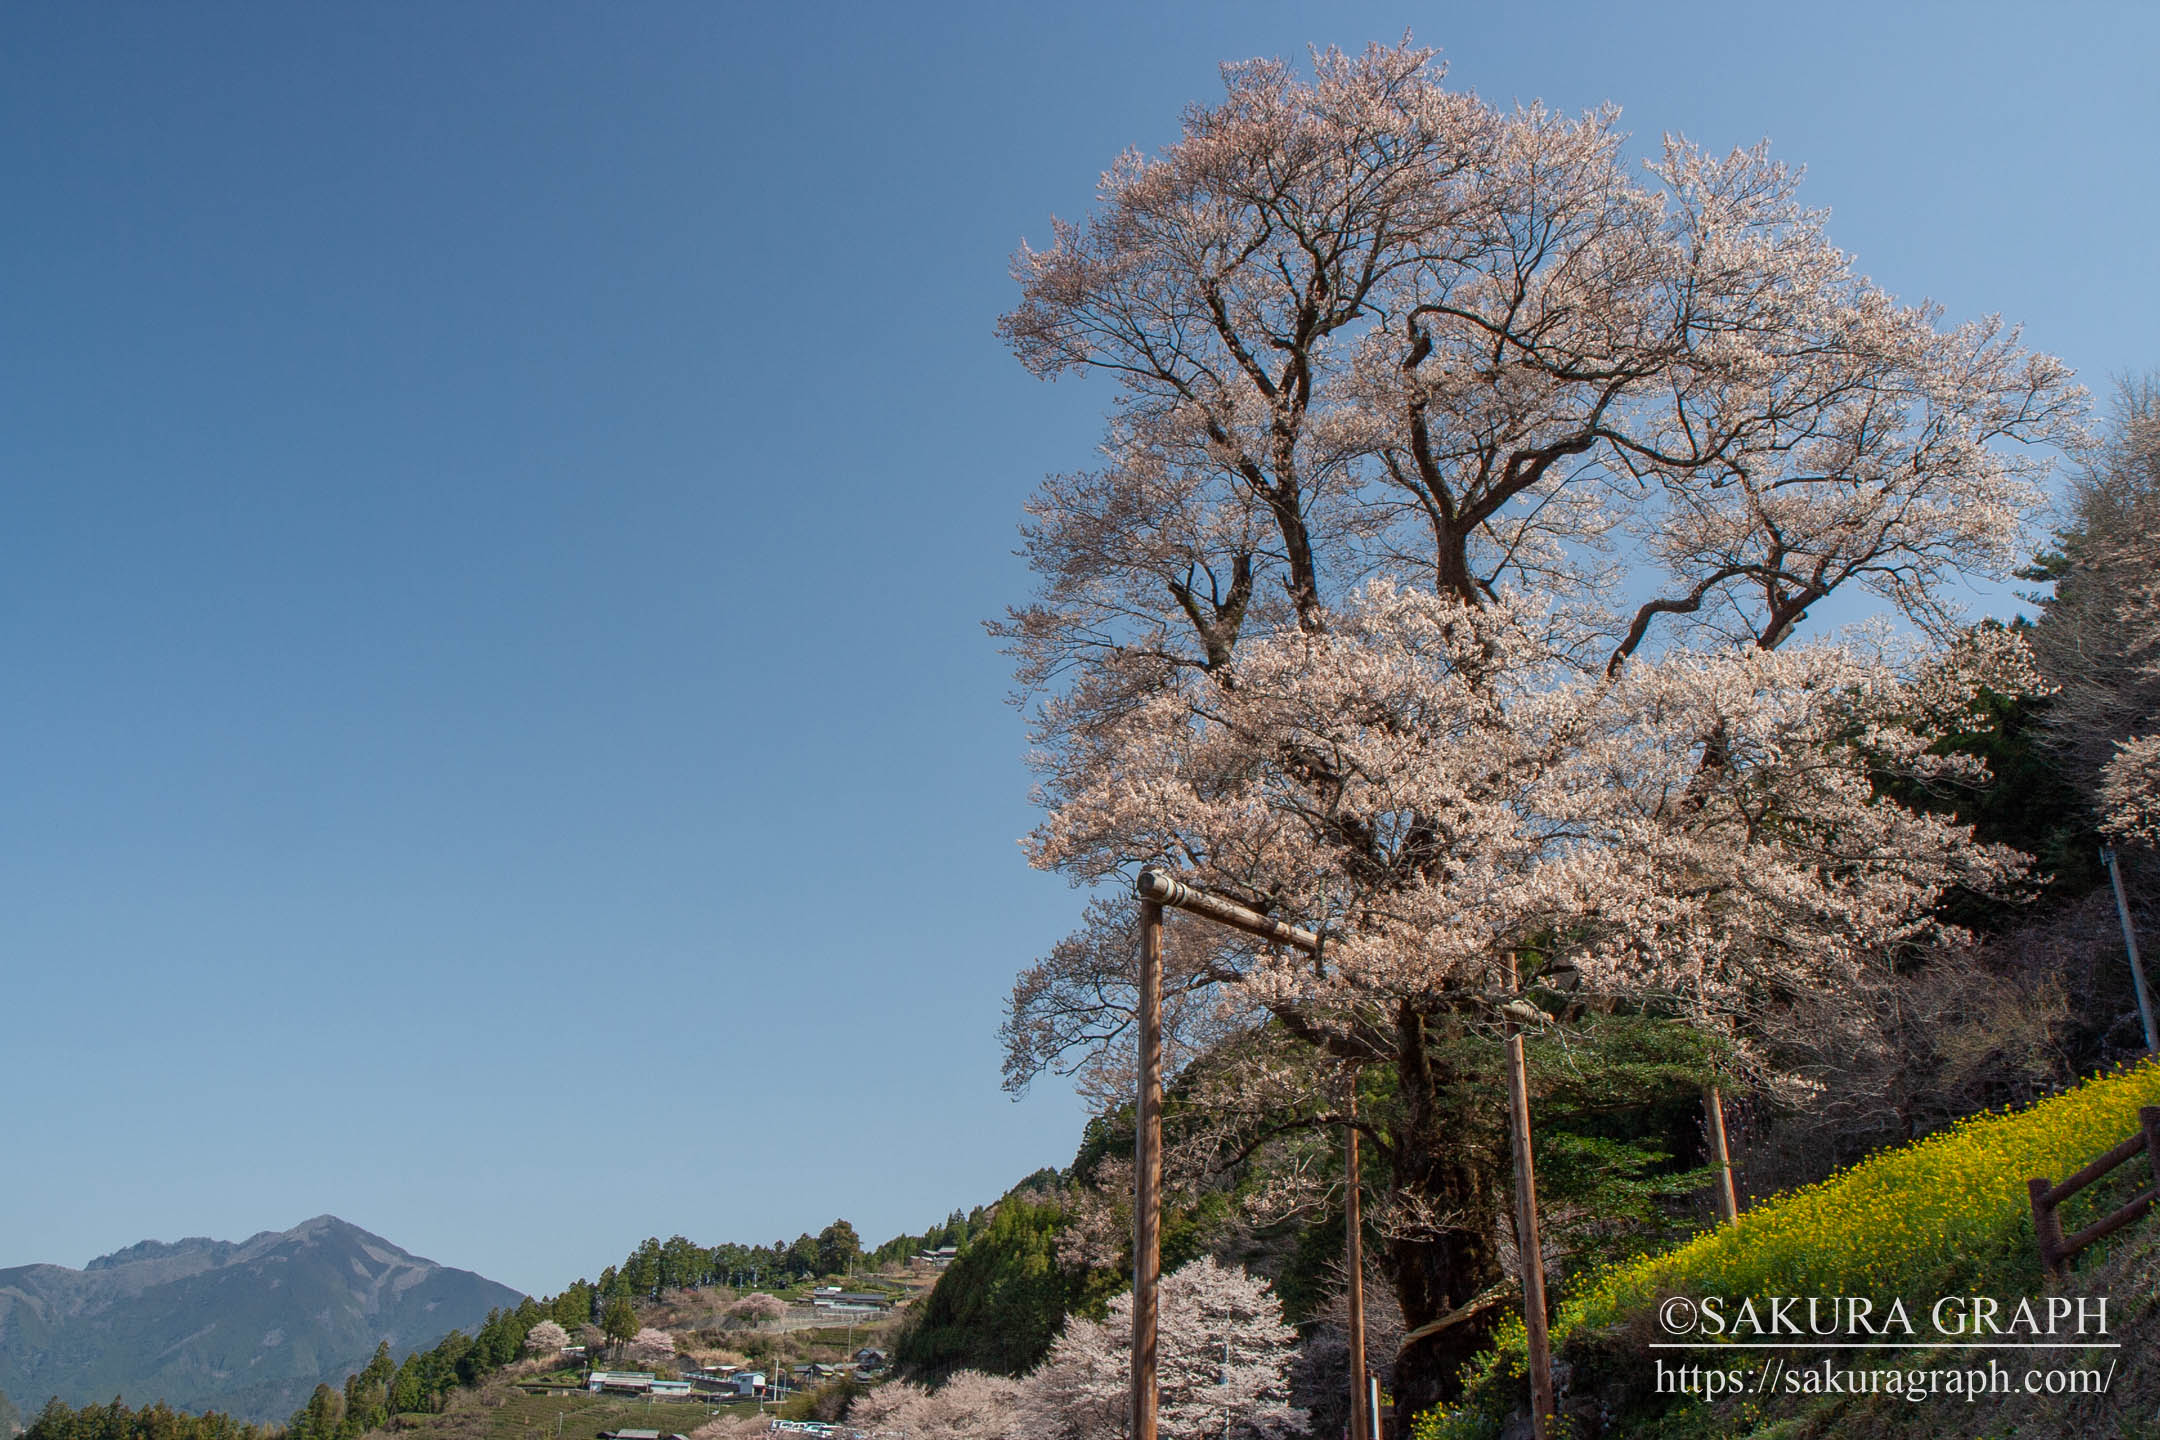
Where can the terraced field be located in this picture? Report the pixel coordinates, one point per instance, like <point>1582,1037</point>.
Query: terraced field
<point>583,1417</point>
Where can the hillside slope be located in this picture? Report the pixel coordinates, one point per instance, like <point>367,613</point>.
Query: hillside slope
<point>248,1327</point>
<point>1948,1215</point>
<point>2130,1408</point>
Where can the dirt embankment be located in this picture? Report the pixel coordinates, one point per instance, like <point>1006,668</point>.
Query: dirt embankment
<point>2129,1410</point>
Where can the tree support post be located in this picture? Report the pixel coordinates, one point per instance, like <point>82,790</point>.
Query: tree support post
<point>1728,1201</point>
<point>1530,1250</point>
<point>1354,1256</point>
<point>1147,1176</point>
<point>1156,888</point>
<point>2137,969</point>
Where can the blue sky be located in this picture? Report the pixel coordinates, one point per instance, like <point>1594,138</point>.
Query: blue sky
<point>496,507</point>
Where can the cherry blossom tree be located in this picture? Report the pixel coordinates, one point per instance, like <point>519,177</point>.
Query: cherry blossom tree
<point>650,1347</point>
<point>1432,785</point>
<point>968,1406</point>
<point>1320,1372</point>
<point>1406,383</point>
<point>1223,1363</point>
<point>2130,790</point>
<point>2099,634</point>
<point>756,1309</point>
<point>546,1340</point>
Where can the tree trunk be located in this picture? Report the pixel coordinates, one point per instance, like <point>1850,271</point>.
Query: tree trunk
<point>1447,1167</point>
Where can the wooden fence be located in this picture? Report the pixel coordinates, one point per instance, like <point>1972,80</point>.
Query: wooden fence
<point>2047,1199</point>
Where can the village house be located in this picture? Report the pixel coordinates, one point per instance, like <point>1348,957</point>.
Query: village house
<point>621,1382</point>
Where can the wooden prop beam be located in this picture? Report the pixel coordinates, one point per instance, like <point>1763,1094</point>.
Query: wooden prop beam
<point>1158,888</point>
<point>1728,1199</point>
<point>1147,1177</point>
<point>1530,1249</point>
<point>1162,888</point>
<point>1354,1254</point>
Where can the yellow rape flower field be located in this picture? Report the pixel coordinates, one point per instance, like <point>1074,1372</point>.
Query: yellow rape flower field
<point>1944,1215</point>
<point>1913,1221</point>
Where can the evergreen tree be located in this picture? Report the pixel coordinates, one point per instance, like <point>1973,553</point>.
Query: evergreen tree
<point>642,1269</point>
<point>367,1393</point>
<point>839,1248</point>
<point>683,1264</point>
<point>153,1422</point>
<point>319,1419</point>
<point>408,1390</point>
<point>574,1307</point>
<point>619,1321</point>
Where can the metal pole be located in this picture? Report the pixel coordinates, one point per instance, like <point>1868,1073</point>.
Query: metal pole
<point>1527,1244</point>
<point>2137,968</point>
<point>1147,1175</point>
<point>1354,1257</point>
<point>1714,1110</point>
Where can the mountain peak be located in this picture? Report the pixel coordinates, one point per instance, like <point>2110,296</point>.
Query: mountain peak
<point>143,1250</point>
<point>247,1328</point>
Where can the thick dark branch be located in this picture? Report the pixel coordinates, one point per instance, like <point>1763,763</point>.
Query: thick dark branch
<point>1686,604</point>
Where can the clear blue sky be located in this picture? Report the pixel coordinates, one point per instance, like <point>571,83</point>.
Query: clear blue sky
<point>496,507</point>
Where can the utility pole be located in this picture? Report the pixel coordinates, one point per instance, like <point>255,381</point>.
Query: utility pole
<point>2137,968</point>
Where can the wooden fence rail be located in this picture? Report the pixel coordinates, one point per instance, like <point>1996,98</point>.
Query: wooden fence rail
<point>2047,1199</point>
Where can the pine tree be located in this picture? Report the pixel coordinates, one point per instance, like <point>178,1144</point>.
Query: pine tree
<point>619,1321</point>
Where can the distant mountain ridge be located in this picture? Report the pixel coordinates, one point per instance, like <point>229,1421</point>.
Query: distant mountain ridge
<point>248,1327</point>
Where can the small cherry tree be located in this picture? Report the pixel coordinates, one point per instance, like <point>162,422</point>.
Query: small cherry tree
<point>757,1309</point>
<point>1223,1364</point>
<point>546,1340</point>
<point>968,1406</point>
<point>2130,790</point>
<point>650,1347</point>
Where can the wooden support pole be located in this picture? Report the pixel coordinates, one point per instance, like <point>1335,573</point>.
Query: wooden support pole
<point>1147,1175</point>
<point>1156,888</point>
<point>1728,1201</point>
<point>2137,969</point>
<point>2047,1225</point>
<point>1354,1257</point>
<point>1529,1248</point>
